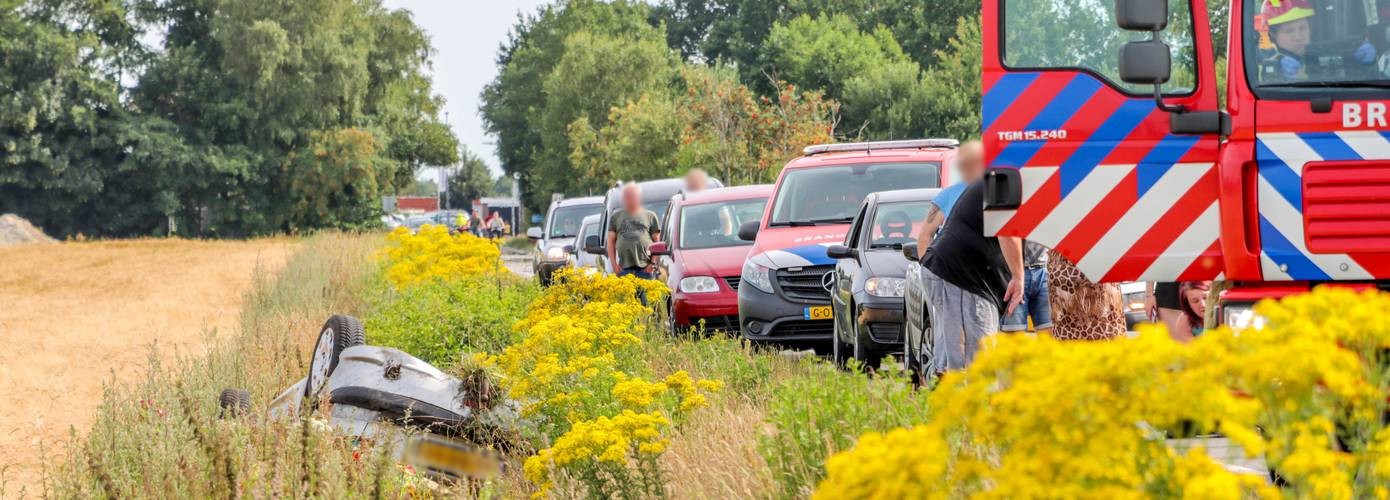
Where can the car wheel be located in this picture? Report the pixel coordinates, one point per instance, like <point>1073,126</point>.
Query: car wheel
<point>838,353</point>
<point>338,333</point>
<point>868,360</point>
<point>909,362</point>
<point>234,403</point>
<point>671,326</point>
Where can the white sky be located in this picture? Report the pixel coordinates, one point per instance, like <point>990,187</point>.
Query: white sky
<point>466,35</point>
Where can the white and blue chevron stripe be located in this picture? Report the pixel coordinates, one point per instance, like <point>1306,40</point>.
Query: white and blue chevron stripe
<point>797,256</point>
<point>1281,157</point>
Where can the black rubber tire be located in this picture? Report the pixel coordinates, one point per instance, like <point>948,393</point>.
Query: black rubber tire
<point>347,332</point>
<point>234,403</point>
<point>838,354</point>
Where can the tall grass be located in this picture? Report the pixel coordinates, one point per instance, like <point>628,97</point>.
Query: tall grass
<point>163,437</point>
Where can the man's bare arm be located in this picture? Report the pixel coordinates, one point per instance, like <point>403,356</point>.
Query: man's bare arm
<point>928,231</point>
<point>613,250</point>
<point>1012,247</point>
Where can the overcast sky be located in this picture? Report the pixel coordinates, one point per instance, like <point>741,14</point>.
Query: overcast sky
<point>466,35</point>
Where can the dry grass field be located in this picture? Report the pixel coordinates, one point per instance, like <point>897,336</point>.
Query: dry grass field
<point>76,316</point>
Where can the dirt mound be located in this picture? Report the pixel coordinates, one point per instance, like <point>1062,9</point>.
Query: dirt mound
<point>15,230</point>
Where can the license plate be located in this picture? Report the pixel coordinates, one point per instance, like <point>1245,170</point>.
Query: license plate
<point>455,459</point>
<point>819,312</point>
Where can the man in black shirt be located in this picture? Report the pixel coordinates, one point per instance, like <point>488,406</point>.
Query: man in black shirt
<point>970,279</point>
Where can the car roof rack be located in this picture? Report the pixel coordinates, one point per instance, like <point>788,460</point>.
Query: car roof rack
<point>871,146</point>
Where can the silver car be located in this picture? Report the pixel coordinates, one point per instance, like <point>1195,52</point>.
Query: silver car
<point>555,242</point>
<point>430,419</point>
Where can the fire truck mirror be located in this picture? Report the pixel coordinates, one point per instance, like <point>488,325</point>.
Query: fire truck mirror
<point>1142,15</point>
<point>1145,62</point>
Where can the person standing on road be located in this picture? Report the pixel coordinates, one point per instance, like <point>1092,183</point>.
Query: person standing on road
<point>940,208</point>
<point>1082,310</point>
<point>696,180</point>
<point>631,230</point>
<point>495,225</point>
<point>970,278</point>
<point>1036,305</point>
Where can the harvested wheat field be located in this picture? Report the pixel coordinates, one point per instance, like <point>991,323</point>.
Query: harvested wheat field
<point>74,316</point>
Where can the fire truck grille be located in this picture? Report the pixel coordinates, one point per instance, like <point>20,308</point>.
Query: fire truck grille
<point>1345,207</point>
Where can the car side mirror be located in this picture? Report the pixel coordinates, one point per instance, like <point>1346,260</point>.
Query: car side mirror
<point>748,231</point>
<point>593,245</point>
<point>910,251</point>
<point>1146,62</point>
<point>840,252</point>
<point>659,248</point>
<point>1141,15</point>
<point>569,249</point>
<point>534,233</point>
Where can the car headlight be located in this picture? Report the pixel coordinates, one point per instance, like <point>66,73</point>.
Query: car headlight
<point>885,287</point>
<point>699,284</point>
<point>556,253</point>
<point>1242,316</point>
<point>756,275</point>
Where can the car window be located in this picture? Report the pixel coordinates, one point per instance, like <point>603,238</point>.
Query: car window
<point>712,225</point>
<point>1082,34</point>
<point>832,194</point>
<point>852,236</point>
<point>658,208</point>
<point>897,223</point>
<point>564,221</point>
<point>1317,47</point>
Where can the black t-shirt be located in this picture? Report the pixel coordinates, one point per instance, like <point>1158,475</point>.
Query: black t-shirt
<point>962,255</point>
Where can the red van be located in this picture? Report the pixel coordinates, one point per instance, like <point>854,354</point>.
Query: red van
<point>784,292</point>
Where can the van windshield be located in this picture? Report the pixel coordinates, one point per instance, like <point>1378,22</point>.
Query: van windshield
<point>1317,44</point>
<point>832,194</point>
<point>565,221</point>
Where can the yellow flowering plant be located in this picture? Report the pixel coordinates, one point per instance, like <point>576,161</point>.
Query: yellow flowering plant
<point>432,253</point>
<point>577,371</point>
<point>1037,417</point>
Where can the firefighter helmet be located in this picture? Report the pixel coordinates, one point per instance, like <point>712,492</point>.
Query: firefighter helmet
<point>1278,12</point>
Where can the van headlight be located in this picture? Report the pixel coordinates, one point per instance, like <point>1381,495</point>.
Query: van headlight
<point>699,284</point>
<point>1242,316</point>
<point>556,253</point>
<point>757,276</point>
<point>885,287</point>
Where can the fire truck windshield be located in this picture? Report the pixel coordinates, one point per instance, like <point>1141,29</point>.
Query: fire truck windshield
<point>1318,44</point>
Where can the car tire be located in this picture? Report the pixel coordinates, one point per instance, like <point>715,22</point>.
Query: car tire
<point>868,359</point>
<point>338,333</point>
<point>234,403</point>
<point>838,354</point>
<point>671,327</point>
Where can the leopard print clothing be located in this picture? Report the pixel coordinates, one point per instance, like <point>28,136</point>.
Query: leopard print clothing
<point>1082,310</point>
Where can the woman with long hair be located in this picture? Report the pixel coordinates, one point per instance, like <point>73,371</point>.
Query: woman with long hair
<point>1193,304</point>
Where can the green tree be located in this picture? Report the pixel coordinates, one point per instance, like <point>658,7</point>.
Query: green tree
<point>468,181</point>
<point>879,88</point>
<point>250,89</point>
<point>514,103</point>
<point>64,134</point>
<point>953,86</point>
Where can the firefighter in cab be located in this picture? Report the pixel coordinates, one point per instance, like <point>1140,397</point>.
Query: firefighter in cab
<point>1289,52</point>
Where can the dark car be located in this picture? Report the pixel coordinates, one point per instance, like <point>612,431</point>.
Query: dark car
<point>866,292</point>
<point>701,256</point>
<point>656,196</point>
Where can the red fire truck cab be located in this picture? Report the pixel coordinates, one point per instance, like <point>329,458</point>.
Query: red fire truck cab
<point>1106,140</point>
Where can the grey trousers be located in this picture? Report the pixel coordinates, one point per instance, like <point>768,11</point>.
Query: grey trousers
<point>959,321</point>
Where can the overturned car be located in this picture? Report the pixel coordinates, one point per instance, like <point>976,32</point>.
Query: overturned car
<point>438,423</point>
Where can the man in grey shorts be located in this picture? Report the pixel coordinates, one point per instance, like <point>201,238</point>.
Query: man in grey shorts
<point>969,278</point>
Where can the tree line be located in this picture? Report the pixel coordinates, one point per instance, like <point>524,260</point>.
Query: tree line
<point>211,117</point>
<point>590,91</point>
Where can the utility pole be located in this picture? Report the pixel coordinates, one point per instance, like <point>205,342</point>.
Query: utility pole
<point>444,174</point>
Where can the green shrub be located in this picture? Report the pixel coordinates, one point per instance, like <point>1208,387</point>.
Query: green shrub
<point>438,321</point>
<point>823,411</point>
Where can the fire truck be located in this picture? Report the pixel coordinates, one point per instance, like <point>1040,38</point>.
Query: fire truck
<point>1108,142</point>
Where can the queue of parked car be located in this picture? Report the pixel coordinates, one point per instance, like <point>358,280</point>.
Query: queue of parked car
<point>816,259</point>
